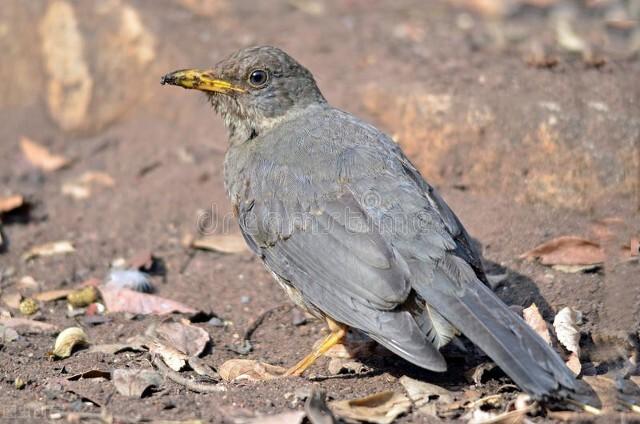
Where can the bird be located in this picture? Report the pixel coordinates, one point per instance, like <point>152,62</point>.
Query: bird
<point>351,230</point>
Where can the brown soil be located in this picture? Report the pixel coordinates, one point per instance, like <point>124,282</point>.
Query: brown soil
<point>484,146</point>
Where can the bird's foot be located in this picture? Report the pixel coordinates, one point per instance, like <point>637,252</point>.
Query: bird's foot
<point>338,331</point>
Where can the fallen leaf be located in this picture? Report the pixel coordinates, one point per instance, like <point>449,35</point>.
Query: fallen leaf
<point>379,408</point>
<point>186,338</point>
<point>566,325</point>
<point>346,366</point>
<point>28,326</point>
<point>50,295</point>
<point>91,374</point>
<point>476,373</point>
<point>67,340</point>
<point>248,369</point>
<point>126,300</point>
<point>532,317</point>
<point>134,383</point>
<point>426,397</point>
<point>171,356</point>
<point>7,334</point>
<point>635,247</point>
<point>573,363</point>
<point>567,250</point>
<point>49,249</point>
<point>40,156</point>
<point>12,299</point>
<point>80,188</point>
<point>9,203</point>
<point>224,243</point>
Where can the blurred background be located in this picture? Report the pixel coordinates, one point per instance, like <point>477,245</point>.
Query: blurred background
<point>524,113</point>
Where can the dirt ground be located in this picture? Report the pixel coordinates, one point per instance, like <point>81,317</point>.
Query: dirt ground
<point>528,133</point>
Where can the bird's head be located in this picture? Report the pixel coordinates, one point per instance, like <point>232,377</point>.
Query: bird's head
<point>253,89</point>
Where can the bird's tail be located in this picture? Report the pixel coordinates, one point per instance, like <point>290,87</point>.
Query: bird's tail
<point>455,292</point>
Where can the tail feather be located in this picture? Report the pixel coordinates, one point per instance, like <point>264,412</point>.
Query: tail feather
<point>456,293</point>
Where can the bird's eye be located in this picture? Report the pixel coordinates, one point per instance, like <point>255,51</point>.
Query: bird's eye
<point>258,78</point>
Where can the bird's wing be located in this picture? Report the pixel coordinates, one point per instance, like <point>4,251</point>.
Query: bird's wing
<point>341,265</point>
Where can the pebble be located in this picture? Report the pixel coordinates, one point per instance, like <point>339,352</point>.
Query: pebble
<point>216,322</point>
<point>245,299</point>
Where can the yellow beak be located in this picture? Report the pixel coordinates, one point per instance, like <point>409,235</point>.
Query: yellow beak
<point>200,80</point>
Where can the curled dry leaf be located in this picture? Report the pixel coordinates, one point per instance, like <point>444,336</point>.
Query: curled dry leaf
<point>9,203</point>
<point>40,156</point>
<point>566,325</point>
<point>567,251</point>
<point>67,340</point>
<point>171,356</point>
<point>135,383</point>
<point>49,249</point>
<point>379,408</point>
<point>426,397</point>
<point>532,317</point>
<point>186,338</point>
<point>248,369</point>
<point>339,366</point>
<point>126,300</point>
<point>224,243</point>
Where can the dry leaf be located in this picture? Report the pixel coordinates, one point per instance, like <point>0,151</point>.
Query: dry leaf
<point>634,247</point>
<point>532,317</point>
<point>9,203</point>
<point>49,249</point>
<point>573,363</point>
<point>126,300</point>
<point>67,340</point>
<point>476,373</point>
<point>40,156</point>
<point>80,188</point>
<point>91,374</point>
<point>248,369</point>
<point>50,295</point>
<point>12,300</point>
<point>28,326</point>
<point>171,356</point>
<point>346,366</point>
<point>225,243</point>
<point>135,383</point>
<point>186,338</point>
<point>566,325</point>
<point>379,408</point>
<point>567,250</point>
<point>425,396</point>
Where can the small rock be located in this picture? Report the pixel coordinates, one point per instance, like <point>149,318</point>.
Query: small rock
<point>245,299</point>
<point>216,322</point>
<point>19,383</point>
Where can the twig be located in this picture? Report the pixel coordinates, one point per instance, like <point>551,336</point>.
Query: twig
<point>183,381</point>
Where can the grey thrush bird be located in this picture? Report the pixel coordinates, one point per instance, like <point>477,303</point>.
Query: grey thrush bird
<point>351,230</point>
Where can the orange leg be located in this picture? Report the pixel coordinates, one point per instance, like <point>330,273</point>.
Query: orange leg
<point>338,331</point>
